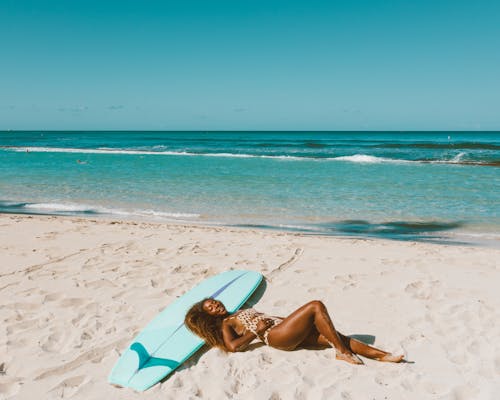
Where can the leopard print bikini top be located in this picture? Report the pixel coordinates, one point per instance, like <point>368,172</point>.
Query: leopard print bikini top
<point>249,318</point>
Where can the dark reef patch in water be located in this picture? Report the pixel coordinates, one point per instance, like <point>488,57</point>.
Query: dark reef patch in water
<point>394,230</point>
<point>484,163</point>
<point>315,145</point>
<point>450,145</point>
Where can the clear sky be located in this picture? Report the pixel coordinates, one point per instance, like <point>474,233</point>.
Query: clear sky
<point>250,65</point>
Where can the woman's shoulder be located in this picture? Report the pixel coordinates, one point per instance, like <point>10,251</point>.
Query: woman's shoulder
<point>230,318</point>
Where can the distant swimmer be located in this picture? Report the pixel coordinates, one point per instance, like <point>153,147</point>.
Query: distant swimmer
<point>81,162</point>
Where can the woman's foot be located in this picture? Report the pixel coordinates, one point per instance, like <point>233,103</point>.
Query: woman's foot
<point>349,357</point>
<point>391,358</point>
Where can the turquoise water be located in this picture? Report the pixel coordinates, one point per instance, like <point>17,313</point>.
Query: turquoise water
<point>428,186</point>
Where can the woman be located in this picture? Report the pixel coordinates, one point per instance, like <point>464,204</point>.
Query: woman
<point>308,326</point>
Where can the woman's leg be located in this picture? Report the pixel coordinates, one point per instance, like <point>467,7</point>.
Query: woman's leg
<point>297,326</point>
<point>368,351</point>
<point>316,340</point>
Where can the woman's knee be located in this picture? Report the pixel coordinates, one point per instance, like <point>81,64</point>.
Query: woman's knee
<point>317,305</point>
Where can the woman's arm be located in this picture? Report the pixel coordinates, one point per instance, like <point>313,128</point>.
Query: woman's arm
<point>234,342</point>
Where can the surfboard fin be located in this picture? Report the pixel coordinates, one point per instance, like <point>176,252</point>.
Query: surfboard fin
<point>146,360</point>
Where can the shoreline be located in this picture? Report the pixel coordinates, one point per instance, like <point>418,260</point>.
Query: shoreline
<point>488,239</point>
<point>75,291</point>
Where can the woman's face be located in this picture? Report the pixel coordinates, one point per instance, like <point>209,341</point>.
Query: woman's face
<point>214,307</point>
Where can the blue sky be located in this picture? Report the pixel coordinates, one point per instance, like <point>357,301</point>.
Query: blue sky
<point>250,65</point>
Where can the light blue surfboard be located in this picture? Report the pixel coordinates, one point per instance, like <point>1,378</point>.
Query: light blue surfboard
<point>165,343</point>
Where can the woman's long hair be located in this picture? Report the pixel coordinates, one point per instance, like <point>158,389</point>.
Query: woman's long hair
<point>206,326</point>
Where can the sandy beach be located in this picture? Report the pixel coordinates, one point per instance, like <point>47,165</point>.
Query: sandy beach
<point>74,292</point>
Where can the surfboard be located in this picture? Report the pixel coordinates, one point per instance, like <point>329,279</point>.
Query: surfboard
<point>165,343</point>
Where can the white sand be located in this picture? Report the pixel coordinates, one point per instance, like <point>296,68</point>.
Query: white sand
<point>74,292</point>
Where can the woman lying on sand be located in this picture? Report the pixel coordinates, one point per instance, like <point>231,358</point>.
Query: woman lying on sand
<point>309,326</point>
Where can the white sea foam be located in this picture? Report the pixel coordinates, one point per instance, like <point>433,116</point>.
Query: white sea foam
<point>364,158</point>
<point>106,150</point>
<point>68,207</point>
<point>103,150</point>
<point>78,208</point>
<point>242,155</point>
<point>458,158</point>
<point>300,227</point>
<point>356,158</point>
<point>164,214</point>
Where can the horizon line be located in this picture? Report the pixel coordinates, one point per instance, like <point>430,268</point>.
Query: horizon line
<point>250,130</point>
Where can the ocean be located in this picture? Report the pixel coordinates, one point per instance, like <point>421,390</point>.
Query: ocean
<point>427,186</point>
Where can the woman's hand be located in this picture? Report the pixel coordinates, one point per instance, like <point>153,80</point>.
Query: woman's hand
<point>264,324</point>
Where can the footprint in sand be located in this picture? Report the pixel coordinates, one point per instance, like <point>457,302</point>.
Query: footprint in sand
<point>181,268</point>
<point>91,262</point>
<point>345,396</point>
<point>244,262</point>
<point>9,387</point>
<point>21,326</point>
<point>86,335</point>
<point>275,396</point>
<point>423,290</point>
<point>198,250</point>
<point>52,297</point>
<point>53,343</point>
<point>77,319</point>
<point>182,248</point>
<point>386,377</point>
<point>23,306</point>
<point>100,284</point>
<point>69,387</point>
<point>154,283</point>
<point>50,235</point>
<point>30,292</point>
<point>110,330</point>
<point>264,360</point>
<point>71,302</point>
<point>160,250</point>
<point>455,352</point>
<point>348,281</point>
<point>435,388</point>
<point>320,289</point>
